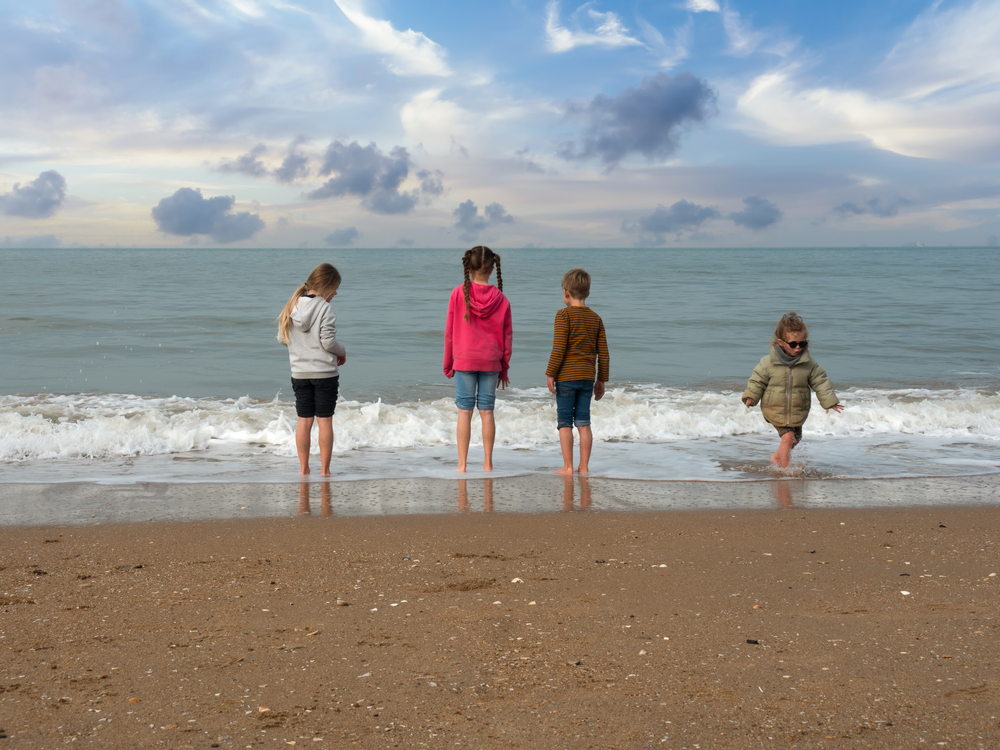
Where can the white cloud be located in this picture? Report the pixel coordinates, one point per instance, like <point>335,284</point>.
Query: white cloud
<point>671,55</point>
<point>412,53</point>
<point>697,6</point>
<point>934,96</point>
<point>608,30</point>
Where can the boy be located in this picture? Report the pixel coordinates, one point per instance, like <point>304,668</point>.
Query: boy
<point>577,345</point>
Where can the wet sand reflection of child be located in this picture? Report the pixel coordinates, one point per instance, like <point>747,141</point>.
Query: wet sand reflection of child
<point>463,495</point>
<point>305,490</point>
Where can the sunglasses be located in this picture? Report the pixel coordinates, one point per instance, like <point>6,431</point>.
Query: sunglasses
<point>796,344</point>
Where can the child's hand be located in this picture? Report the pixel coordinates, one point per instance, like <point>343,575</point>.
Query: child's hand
<point>552,384</point>
<point>598,390</point>
<point>340,360</point>
<point>749,402</point>
<point>504,382</point>
<point>837,408</point>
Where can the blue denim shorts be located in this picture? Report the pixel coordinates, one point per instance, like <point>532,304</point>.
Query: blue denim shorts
<point>573,402</point>
<point>476,388</point>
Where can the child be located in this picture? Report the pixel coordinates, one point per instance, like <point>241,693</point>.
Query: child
<point>308,327</point>
<point>577,345</point>
<point>782,381</point>
<point>477,343</point>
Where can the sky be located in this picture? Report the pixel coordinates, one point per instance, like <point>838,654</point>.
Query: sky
<point>516,123</point>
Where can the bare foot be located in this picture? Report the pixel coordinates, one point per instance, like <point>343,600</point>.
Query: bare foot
<point>304,470</point>
<point>581,469</point>
<point>775,458</point>
<point>326,473</point>
<point>461,468</point>
<point>487,467</point>
<point>564,470</point>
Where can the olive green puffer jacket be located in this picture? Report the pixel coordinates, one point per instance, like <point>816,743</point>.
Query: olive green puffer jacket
<point>783,391</point>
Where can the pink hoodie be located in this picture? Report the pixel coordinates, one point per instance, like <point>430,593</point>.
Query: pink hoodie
<point>483,342</point>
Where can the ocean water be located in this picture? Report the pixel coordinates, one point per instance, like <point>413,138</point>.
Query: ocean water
<point>132,365</point>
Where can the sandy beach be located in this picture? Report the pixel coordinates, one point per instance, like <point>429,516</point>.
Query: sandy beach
<point>712,629</point>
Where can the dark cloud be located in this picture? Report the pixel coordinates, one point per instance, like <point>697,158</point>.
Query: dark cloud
<point>366,172</point>
<point>295,165</point>
<point>758,214</point>
<point>405,242</point>
<point>873,206</point>
<point>647,119</point>
<point>471,223</point>
<point>680,217</point>
<point>248,164</point>
<point>31,243</point>
<point>188,213</point>
<point>38,199</point>
<point>342,237</point>
<point>497,214</point>
<point>430,182</point>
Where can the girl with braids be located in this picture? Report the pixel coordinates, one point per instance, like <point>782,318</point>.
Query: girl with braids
<point>782,381</point>
<point>308,327</point>
<point>477,343</point>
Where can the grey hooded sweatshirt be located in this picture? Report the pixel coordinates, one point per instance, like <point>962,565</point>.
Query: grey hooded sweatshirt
<point>312,340</point>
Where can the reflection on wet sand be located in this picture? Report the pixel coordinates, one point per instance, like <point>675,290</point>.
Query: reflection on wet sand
<point>783,491</point>
<point>568,491</point>
<point>463,495</point>
<point>305,490</point>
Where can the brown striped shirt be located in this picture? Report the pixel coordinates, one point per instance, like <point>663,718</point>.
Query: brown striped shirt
<point>577,345</point>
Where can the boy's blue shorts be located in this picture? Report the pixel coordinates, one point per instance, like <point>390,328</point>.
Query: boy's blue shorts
<point>573,402</point>
<point>476,388</point>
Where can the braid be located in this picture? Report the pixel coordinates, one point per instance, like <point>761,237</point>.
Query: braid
<point>496,260</point>
<point>466,262</point>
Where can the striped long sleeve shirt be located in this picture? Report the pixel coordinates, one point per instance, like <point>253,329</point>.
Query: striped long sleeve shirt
<point>578,344</point>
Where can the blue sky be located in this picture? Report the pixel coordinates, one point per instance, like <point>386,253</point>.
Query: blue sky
<point>334,123</point>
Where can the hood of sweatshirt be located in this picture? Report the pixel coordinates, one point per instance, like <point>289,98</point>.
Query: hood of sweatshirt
<point>484,299</point>
<point>307,312</point>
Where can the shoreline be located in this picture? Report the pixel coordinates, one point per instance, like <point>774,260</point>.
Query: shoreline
<point>83,503</point>
<point>815,628</point>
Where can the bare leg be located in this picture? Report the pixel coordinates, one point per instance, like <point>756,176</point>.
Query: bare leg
<point>464,434</point>
<point>325,444</point>
<point>566,444</point>
<point>567,492</point>
<point>325,508</point>
<point>302,435</point>
<point>304,509</point>
<point>463,496</point>
<point>489,436</point>
<point>586,444</point>
<point>783,456</point>
<point>584,493</point>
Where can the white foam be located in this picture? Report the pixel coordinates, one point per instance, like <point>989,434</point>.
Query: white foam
<point>651,431</point>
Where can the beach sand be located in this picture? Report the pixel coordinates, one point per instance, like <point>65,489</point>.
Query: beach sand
<point>684,629</point>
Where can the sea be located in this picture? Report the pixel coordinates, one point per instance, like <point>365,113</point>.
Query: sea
<point>123,366</point>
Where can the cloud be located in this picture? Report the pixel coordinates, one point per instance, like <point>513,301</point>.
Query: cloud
<point>758,214</point>
<point>405,242</point>
<point>295,165</point>
<point>697,6</point>
<point>935,95</point>
<point>647,119</point>
<point>248,164</point>
<point>38,199</point>
<point>411,52</point>
<point>430,182</point>
<point>342,237</point>
<point>681,216</point>
<point>873,206</point>
<point>670,55</point>
<point>188,213</point>
<point>366,172</point>
<point>471,223</point>
<point>608,30</point>
<point>38,241</point>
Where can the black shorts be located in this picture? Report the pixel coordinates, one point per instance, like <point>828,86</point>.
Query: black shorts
<point>796,431</point>
<point>316,398</point>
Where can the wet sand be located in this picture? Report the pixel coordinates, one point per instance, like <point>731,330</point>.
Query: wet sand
<point>686,629</point>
